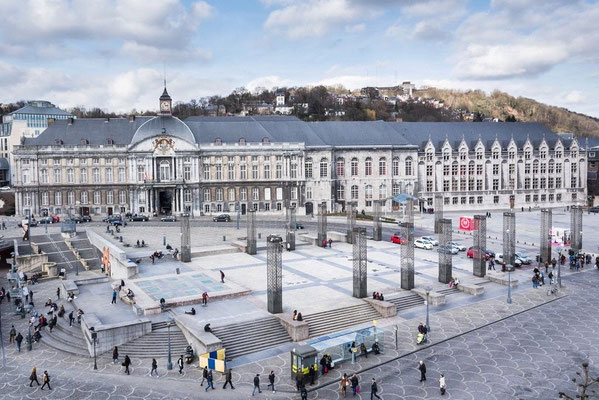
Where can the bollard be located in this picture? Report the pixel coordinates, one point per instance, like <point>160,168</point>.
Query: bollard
<point>164,239</point>
<point>121,239</point>
<point>259,235</point>
<point>178,271</point>
<point>224,238</point>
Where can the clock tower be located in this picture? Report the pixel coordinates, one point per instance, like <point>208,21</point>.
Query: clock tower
<point>165,103</point>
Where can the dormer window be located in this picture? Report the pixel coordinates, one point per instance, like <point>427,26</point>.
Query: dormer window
<point>84,141</point>
<point>573,153</point>
<point>242,141</point>
<point>479,154</point>
<point>218,141</point>
<point>265,140</point>
<point>495,154</point>
<point>109,141</point>
<point>59,142</point>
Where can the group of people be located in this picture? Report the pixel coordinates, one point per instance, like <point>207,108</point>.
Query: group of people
<point>329,242</point>
<point>538,278</point>
<point>454,282</point>
<point>378,296</point>
<point>422,336</point>
<point>140,244</point>
<point>297,316</point>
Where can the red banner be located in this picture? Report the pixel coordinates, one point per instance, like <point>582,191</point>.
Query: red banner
<point>466,224</point>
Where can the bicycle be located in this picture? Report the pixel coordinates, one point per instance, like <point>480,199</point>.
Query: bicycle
<point>553,290</point>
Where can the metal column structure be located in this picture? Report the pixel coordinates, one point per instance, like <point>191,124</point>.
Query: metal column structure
<point>509,238</point>
<point>251,234</point>
<point>274,274</point>
<point>322,223</point>
<point>545,238</point>
<point>360,257</point>
<point>406,230</point>
<point>445,256</point>
<point>576,228</point>
<point>438,212</point>
<point>377,226</point>
<point>351,221</point>
<point>185,239</point>
<point>291,225</point>
<point>479,262</point>
<point>409,211</point>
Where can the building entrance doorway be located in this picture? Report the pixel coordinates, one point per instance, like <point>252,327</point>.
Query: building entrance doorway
<point>243,209</point>
<point>165,199</point>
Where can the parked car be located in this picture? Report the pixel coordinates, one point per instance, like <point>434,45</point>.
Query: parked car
<point>523,258</point>
<point>112,218</point>
<point>46,220</point>
<point>118,222</point>
<point>472,252</point>
<point>459,246</point>
<point>299,226</point>
<point>594,210</point>
<point>430,239</point>
<point>423,244</point>
<point>86,218</point>
<point>222,218</point>
<point>396,238</point>
<point>499,260</point>
<point>168,218</point>
<point>56,218</point>
<point>77,219</point>
<point>137,217</point>
<point>448,248</point>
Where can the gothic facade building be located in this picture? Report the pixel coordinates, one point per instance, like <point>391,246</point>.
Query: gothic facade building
<point>207,165</point>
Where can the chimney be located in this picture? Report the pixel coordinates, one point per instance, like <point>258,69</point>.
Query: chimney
<point>106,119</point>
<point>71,120</point>
<point>50,121</point>
<point>131,118</point>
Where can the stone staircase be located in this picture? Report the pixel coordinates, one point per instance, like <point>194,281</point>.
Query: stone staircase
<point>252,336</point>
<point>58,251</point>
<point>448,291</point>
<point>155,343</point>
<point>336,320</point>
<point>405,302</point>
<point>64,337</point>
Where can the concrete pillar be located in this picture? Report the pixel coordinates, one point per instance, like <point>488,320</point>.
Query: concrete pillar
<point>479,262</point>
<point>377,228</point>
<point>445,256</point>
<point>438,212</point>
<point>274,274</point>
<point>291,225</point>
<point>185,238</point>
<point>545,236</point>
<point>322,223</point>
<point>351,221</point>
<point>407,255</point>
<point>360,259</point>
<point>509,238</point>
<point>251,232</point>
<point>576,228</point>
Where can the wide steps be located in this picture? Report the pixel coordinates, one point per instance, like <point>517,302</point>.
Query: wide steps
<point>155,343</point>
<point>65,338</point>
<point>406,302</point>
<point>448,291</point>
<point>249,337</point>
<point>340,319</point>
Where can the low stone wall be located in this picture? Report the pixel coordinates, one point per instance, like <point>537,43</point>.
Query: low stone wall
<point>337,236</point>
<point>110,335</point>
<point>471,288</point>
<point>50,268</point>
<point>435,298</point>
<point>306,237</point>
<point>384,308</point>
<point>32,262</point>
<point>501,278</point>
<point>68,286</point>
<point>297,330</point>
<point>121,267</point>
<point>193,329</point>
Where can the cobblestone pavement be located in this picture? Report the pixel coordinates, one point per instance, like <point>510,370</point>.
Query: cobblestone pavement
<point>485,351</point>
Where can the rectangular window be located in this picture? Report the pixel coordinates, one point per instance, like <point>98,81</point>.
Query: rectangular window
<point>255,194</point>
<point>551,197</point>
<point>479,169</point>
<point>231,171</point>
<point>219,172</point>
<point>495,184</point>
<point>445,170</point>
<point>187,195</point>
<point>43,176</point>
<point>354,167</point>
<point>278,171</point>
<point>70,175</point>
<point>187,172</point>
<point>479,184</point>
<point>429,170</point>
<point>97,197</point>
<point>219,194</point>
<point>121,174</point>
<point>293,171</point>
<point>495,169</point>
<point>308,168</point>
<point>383,167</point>
<point>558,168</point>
<point>527,168</point>
<point>340,167</point>
<point>108,174</point>
<point>141,173</point>
<point>243,194</point>
<point>243,172</point>
<point>84,198</point>
<point>71,198</point>
<point>57,174</point>
<point>495,199</point>
<point>324,168</point>
<point>206,195</point>
<point>207,172</point>
<point>462,200</point>
<point>429,186</point>
<point>294,193</point>
<point>109,197</point>
<point>96,175</point>
<point>255,171</point>
<point>527,198</point>
<point>446,185</point>
<point>309,193</point>
<point>45,198</point>
<point>573,182</point>
<point>479,199</point>
<point>558,197</point>
<point>266,171</point>
<point>231,196</point>
<point>558,183</point>
<point>57,198</point>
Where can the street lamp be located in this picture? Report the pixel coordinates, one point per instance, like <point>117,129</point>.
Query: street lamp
<point>509,268</point>
<point>94,338</point>
<point>428,291</point>
<point>29,344</point>
<point>169,364</point>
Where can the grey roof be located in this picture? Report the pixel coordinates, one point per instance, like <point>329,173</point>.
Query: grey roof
<point>359,134</point>
<point>163,125</point>
<point>420,132</point>
<point>96,130</point>
<point>34,108</point>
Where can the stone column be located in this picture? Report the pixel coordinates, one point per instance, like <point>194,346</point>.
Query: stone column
<point>351,221</point>
<point>438,212</point>
<point>251,232</point>
<point>322,223</point>
<point>291,225</point>
<point>479,262</point>
<point>445,256</point>
<point>545,237</point>
<point>576,228</point>
<point>407,255</point>
<point>409,211</point>
<point>274,274</point>
<point>360,259</point>
<point>377,229</point>
<point>185,238</point>
<point>509,238</point>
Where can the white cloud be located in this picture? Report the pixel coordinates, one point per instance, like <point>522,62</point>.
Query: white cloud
<point>574,97</point>
<point>267,82</point>
<point>356,28</point>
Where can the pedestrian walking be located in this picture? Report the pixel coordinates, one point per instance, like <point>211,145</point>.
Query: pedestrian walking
<point>304,393</point>
<point>31,296</point>
<point>126,364</point>
<point>58,293</point>
<point>204,375</point>
<point>46,380</point>
<point>546,267</point>
<point>115,355</point>
<point>256,384</point>
<point>113,297</point>
<point>33,377</point>
<point>344,385</point>
<point>228,379</point>
<point>442,384</point>
<point>311,374</point>
<point>271,380</point>
<point>299,381</point>
<point>180,364</point>
<point>355,384</point>
<point>210,381</point>
<point>19,339</point>
<point>330,243</point>
<point>13,333</point>
<point>422,369</point>
<point>154,367</point>
<point>204,298</point>
<point>222,276</point>
<point>374,389</point>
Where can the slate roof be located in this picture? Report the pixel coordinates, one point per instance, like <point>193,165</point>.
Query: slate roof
<point>359,134</point>
<point>167,125</point>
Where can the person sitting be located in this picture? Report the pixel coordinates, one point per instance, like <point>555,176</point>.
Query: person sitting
<point>363,350</point>
<point>207,328</point>
<point>192,312</point>
<point>299,317</point>
<point>79,315</point>
<point>294,315</point>
<point>373,295</point>
<point>71,297</point>
<point>137,245</point>
<point>169,247</point>
<point>375,348</point>
<point>143,243</point>
<point>381,297</point>
<point>162,303</point>
<point>48,303</point>
<point>61,311</point>
<point>130,293</point>
<point>37,336</point>
<point>456,282</point>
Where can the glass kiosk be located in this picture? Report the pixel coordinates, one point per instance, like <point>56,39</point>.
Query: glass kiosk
<point>301,359</point>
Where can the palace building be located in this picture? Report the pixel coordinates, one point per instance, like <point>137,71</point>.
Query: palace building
<point>207,165</point>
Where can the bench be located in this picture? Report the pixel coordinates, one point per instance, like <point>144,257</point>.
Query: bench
<point>471,288</point>
<point>501,278</point>
<point>127,300</point>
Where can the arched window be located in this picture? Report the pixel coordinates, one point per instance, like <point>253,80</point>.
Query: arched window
<point>535,167</point>
<point>382,166</point>
<point>395,166</point>
<point>324,167</point>
<point>551,166</point>
<point>368,192</point>
<point>409,166</point>
<point>340,192</point>
<point>368,167</point>
<point>383,191</point>
<point>265,140</point>
<point>354,192</point>
<point>340,167</point>
<point>354,167</point>
<point>165,170</point>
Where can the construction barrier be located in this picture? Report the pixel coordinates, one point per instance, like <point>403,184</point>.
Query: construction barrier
<point>215,360</point>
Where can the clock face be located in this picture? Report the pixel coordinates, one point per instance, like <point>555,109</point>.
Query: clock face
<point>164,106</point>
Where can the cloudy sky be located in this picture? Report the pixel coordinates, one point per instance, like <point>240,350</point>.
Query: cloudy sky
<point>112,53</point>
